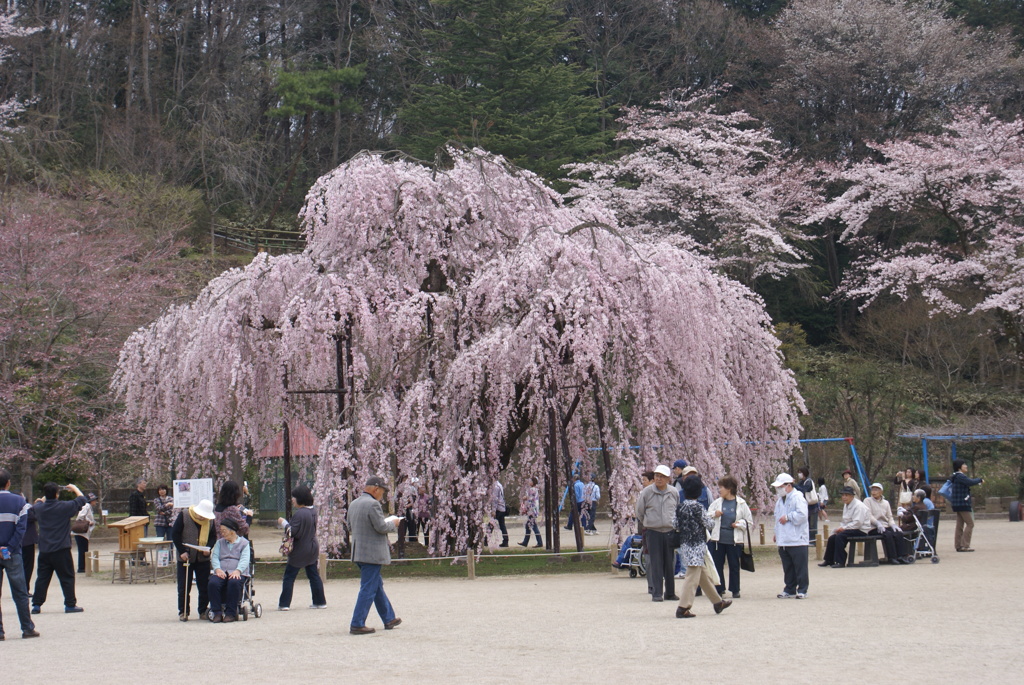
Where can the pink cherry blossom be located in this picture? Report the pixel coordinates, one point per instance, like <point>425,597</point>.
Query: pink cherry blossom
<point>477,305</point>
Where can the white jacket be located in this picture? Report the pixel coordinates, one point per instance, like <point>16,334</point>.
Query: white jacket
<point>857,517</point>
<point>743,515</point>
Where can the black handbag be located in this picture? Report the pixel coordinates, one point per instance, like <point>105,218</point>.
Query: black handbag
<point>747,555</point>
<point>674,539</point>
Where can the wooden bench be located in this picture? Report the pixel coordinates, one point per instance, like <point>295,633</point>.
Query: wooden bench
<point>870,550</point>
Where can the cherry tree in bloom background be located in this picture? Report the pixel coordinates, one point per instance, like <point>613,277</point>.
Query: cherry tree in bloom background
<point>712,183</point>
<point>478,320</point>
<point>940,216</point>
<point>12,107</point>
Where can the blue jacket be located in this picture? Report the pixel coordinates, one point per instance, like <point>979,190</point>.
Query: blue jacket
<point>961,497</point>
<point>13,520</point>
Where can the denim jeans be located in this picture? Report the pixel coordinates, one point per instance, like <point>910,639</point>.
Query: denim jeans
<point>15,569</point>
<point>163,532</point>
<point>371,591</point>
<point>316,585</point>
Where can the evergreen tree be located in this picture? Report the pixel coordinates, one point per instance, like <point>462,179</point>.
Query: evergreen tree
<point>496,76</point>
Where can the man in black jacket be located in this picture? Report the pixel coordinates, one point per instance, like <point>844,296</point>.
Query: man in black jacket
<point>137,503</point>
<point>55,546</point>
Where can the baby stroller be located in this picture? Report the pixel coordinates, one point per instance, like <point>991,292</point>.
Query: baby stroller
<point>635,561</point>
<point>248,606</point>
<point>922,538</point>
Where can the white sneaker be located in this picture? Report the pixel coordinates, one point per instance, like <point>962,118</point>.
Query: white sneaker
<point>680,575</point>
<point>784,595</point>
<point>801,595</point>
<point>284,608</point>
<point>317,606</point>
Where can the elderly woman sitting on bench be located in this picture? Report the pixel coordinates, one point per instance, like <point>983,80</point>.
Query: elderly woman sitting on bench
<point>230,562</point>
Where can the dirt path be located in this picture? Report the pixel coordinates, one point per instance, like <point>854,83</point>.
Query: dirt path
<point>957,621</point>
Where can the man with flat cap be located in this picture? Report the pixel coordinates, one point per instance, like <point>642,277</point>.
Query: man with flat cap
<point>370,551</point>
<point>857,522</point>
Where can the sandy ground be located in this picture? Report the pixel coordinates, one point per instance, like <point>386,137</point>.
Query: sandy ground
<point>957,621</point>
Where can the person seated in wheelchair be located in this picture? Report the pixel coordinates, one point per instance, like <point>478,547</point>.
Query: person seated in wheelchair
<point>230,562</point>
<point>920,502</point>
<point>630,542</point>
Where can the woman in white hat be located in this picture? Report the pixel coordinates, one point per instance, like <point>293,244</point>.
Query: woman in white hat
<point>193,529</point>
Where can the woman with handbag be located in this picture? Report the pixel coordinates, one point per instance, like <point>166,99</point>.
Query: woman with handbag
<point>732,521</point>
<point>693,524</point>
<point>81,530</point>
<point>304,552</point>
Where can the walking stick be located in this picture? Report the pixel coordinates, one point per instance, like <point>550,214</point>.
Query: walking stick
<point>188,590</point>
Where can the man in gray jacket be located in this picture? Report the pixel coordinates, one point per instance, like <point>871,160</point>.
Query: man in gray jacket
<point>656,513</point>
<point>370,551</point>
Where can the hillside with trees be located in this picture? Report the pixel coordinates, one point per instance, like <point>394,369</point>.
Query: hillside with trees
<point>857,165</point>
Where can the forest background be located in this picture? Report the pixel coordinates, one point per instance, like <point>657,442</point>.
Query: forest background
<point>148,145</point>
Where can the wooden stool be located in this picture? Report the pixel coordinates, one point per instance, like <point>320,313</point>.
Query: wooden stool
<point>120,558</point>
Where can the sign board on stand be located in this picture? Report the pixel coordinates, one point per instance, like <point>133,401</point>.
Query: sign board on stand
<point>188,493</point>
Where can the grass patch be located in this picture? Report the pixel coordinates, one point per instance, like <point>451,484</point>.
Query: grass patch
<point>516,564</point>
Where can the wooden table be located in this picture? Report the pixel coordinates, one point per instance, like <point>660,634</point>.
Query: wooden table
<point>151,547</point>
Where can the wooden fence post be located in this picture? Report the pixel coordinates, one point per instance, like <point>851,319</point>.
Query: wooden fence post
<point>471,563</point>
<point>761,526</point>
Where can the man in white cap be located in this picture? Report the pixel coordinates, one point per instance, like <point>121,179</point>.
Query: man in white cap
<point>655,512</point>
<point>896,549</point>
<point>193,529</point>
<point>791,536</point>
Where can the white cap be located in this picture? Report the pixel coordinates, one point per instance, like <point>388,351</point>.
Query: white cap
<point>877,485</point>
<point>782,479</point>
<point>663,470</point>
<point>688,470</point>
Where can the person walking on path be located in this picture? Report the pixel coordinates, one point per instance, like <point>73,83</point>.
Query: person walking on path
<point>791,536</point>
<point>500,510</point>
<point>163,509</point>
<point>693,523</point>
<point>13,522</point>
<point>591,496</point>
<point>530,508</point>
<point>137,503</point>
<point>82,539</point>
<point>370,551</point>
<point>577,493</point>
<point>305,552</point>
<point>55,546</point>
<point>194,527</point>
<point>960,499</point>
<point>655,513</point>
<point>733,520</point>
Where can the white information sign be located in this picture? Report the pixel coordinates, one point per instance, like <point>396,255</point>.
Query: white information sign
<point>188,493</point>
